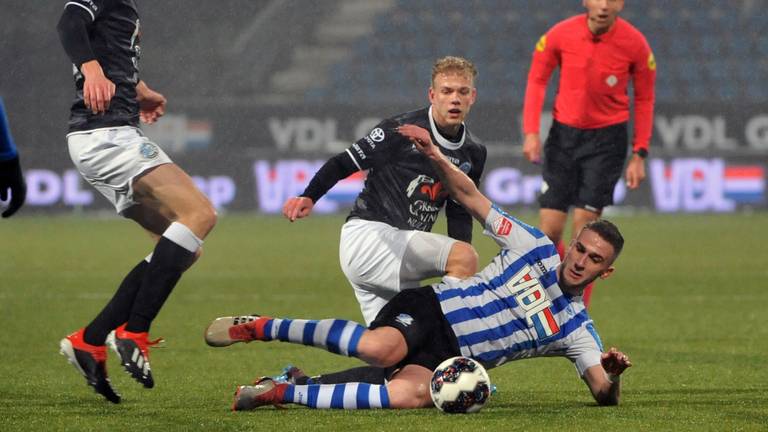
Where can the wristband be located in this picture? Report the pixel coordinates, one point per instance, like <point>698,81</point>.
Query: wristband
<point>613,378</point>
<point>643,153</point>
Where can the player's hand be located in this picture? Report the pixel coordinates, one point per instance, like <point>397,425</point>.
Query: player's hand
<point>420,139</point>
<point>98,90</point>
<point>151,103</point>
<point>297,208</point>
<point>532,148</point>
<point>11,179</point>
<point>635,172</point>
<point>614,361</point>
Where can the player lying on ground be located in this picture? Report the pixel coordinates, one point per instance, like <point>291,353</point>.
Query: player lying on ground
<point>525,303</point>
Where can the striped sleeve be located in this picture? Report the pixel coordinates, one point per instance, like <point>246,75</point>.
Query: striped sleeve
<point>511,233</point>
<point>584,349</point>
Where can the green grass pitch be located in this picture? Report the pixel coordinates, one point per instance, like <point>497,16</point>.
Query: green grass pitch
<point>687,303</point>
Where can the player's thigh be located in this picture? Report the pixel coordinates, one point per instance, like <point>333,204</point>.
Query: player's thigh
<point>409,387</point>
<point>149,219</point>
<point>111,158</point>
<point>370,254</point>
<point>170,191</point>
<point>425,256</point>
<point>371,300</point>
<point>417,315</point>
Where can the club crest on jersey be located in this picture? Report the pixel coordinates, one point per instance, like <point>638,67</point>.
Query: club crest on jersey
<point>425,185</point>
<point>502,226</point>
<point>404,319</point>
<point>465,167</point>
<point>377,135</point>
<point>533,299</point>
<point>611,80</point>
<point>149,150</point>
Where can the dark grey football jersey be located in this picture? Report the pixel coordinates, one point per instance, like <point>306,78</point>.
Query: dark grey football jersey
<point>114,38</point>
<point>402,188</point>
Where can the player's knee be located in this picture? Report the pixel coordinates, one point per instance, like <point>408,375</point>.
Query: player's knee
<point>408,395</point>
<point>202,220</point>
<point>382,347</point>
<point>462,260</point>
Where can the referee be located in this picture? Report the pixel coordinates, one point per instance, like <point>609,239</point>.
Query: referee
<point>598,54</point>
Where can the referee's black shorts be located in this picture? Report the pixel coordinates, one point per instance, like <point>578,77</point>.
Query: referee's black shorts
<point>582,166</point>
<point>416,313</point>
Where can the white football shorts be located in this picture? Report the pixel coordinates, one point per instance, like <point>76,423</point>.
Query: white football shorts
<point>110,158</point>
<point>380,260</point>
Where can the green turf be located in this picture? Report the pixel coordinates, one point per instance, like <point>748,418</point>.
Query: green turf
<point>687,303</point>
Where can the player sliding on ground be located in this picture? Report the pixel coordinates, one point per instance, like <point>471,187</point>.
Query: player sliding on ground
<point>525,303</point>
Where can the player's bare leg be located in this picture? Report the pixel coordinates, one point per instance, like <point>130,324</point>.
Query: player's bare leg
<point>170,205</point>
<point>169,191</point>
<point>409,388</point>
<point>382,347</point>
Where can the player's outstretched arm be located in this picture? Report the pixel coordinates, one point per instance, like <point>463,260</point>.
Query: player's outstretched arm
<point>458,184</point>
<point>335,169</point>
<point>604,380</point>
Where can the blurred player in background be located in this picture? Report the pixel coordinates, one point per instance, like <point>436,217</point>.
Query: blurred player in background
<point>525,303</point>
<point>11,178</point>
<point>101,38</point>
<point>598,54</point>
<point>386,244</point>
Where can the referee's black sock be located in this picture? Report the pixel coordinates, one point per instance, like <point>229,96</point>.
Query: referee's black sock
<point>119,307</point>
<point>174,253</point>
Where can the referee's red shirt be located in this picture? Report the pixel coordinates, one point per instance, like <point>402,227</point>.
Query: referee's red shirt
<point>594,74</point>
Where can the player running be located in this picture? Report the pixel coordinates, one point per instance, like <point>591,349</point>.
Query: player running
<point>525,303</point>
<point>101,37</point>
<point>598,54</point>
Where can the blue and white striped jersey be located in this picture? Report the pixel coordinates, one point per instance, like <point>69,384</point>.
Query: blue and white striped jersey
<point>514,308</point>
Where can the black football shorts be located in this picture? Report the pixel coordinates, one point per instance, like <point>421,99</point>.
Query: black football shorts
<point>582,166</point>
<point>416,313</point>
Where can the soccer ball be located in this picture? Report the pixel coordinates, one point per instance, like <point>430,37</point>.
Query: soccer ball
<point>460,385</point>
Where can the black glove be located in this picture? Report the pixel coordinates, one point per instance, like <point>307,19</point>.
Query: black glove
<point>11,178</point>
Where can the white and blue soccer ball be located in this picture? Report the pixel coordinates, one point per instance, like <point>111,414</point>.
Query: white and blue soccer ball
<point>460,385</point>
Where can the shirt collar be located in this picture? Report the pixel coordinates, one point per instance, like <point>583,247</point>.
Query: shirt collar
<point>603,37</point>
<point>443,141</point>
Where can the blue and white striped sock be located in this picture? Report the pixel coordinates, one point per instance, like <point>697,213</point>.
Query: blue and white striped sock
<point>336,335</point>
<point>338,396</point>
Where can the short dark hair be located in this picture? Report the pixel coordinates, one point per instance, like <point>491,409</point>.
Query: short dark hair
<point>608,232</point>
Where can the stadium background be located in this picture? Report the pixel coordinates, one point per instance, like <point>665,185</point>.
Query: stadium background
<point>252,115</point>
<point>261,91</point>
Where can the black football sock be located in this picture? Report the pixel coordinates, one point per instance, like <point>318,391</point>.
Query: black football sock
<point>119,307</point>
<point>364,374</point>
<point>173,254</point>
